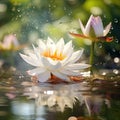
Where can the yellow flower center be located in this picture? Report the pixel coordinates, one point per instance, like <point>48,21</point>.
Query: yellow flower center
<point>54,56</point>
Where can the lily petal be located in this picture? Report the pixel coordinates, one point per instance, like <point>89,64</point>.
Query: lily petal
<point>36,71</point>
<point>29,60</point>
<point>77,66</point>
<point>68,51</point>
<point>67,48</point>
<point>50,42</point>
<point>81,26</point>
<point>51,46</point>
<point>97,26</point>
<point>107,29</point>
<point>43,77</point>
<point>41,46</point>
<point>61,75</point>
<point>75,56</point>
<point>70,72</point>
<point>36,59</point>
<point>88,25</point>
<point>36,51</point>
<point>60,46</point>
<point>50,64</point>
<point>33,56</point>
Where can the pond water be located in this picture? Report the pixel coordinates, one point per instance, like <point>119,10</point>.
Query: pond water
<point>22,99</point>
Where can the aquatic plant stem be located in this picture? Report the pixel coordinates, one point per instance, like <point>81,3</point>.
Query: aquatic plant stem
<point>92,57</point>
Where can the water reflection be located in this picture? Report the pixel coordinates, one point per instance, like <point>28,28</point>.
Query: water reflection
<point>21,99</point>
<point>66,97</point>
<point>56,97</point>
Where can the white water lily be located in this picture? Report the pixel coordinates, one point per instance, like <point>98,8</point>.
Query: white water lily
<point>58,59</point>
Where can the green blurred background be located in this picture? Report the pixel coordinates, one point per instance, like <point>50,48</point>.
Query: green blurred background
<point>30,20</point>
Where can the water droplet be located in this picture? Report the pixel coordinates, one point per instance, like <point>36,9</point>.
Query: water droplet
<point>13,9</point>
<point>33,7</point>
<point>19,16</point>
<point>54,6</point>
<point>36,27</point>
<point>49,5</point>
<point>111,78</point>
<point>64,8</point>
<point>115,71</point>
<point>18,10</point>
<point>104,73</point>
<point>113,50</point>
<point>116,40</point>
<point>116,20</point>
<point>16,18</point>
<point>111,28</point>
<point>21,76</point>
<point>104,16</point>
<point>116,60</point>
<point>70,13</point>
<point>14,34</point>
<point>100,45</point>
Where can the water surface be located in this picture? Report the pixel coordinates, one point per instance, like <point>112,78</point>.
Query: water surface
<point>22,99</point>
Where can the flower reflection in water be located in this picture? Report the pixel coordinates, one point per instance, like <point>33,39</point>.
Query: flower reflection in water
<point>62,96</point>
<point>55,97</point>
